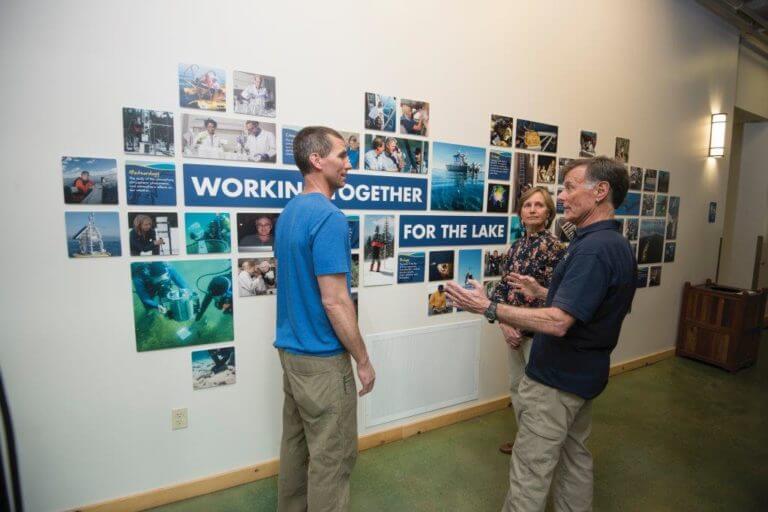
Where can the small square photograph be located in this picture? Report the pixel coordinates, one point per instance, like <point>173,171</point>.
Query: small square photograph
<point>213,367</point>
<point>441,265</point>
<point>649,183</point>
<point>352,142</point>
<point>630,206</point>
<point>208,232</point>
<point>671,228</point>
<point>655,276</point>
<point>414,117</point>
<point>649,205</point>
<point>587,144</point>
<point>92,234</point>
<point>438,302</point>
<point>535,136</point>
<point>154,233</point>
<point>712,215</point>
<point>516,229</point>
<point>545,169</point>
<point>651,248</point>
<point>380,112</point>
<point>288,134</point>
<point>663,182</point>
<point>379,250</point>
<point>564,231</point>
<point>254,95</point>
<point>635,178</point>
<point>498,198</point>
<point>354,278</point>
<point>395,154</point>
<point>257,276</point>
<point>622,150</point>
<point>148,132</point>
<point>470,265</point>
<point>222,138</point>
<point>354,231</point>
<point>150,183</point>
<point>256,231</point>
<point>631,228</point>
<point>559,204</point>
<point>661,205</point>
<point>642,277</point>
<point>669,252</point>
<point>502,128</point>
<point>410,267</point>
<point>633,248</point>
<point>202,87</point>
<point>89,180</point>
<point>494,262</point>
<point>499,165</point>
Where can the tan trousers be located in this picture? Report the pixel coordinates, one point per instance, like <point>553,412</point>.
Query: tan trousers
<point>319,444</point>
<point>550,450</point>
<point>517,361</point>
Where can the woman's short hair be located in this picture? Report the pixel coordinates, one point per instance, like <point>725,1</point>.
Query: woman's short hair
<point>548,202</point>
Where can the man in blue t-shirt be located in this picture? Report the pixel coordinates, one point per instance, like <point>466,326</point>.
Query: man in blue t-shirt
<point>317,332</point>
<point>589,295</point>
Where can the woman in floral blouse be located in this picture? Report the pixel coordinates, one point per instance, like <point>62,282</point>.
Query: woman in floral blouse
<point>536,254</point>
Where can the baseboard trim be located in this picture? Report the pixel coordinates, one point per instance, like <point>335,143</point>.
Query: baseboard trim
<point>209,484</point>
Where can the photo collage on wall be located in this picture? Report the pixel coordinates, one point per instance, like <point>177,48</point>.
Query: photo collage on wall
<point>187,264</point>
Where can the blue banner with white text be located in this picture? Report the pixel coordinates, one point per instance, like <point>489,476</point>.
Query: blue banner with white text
<point>445,230</point>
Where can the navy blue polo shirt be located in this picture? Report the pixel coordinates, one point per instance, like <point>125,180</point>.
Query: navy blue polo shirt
<point>595,283</point>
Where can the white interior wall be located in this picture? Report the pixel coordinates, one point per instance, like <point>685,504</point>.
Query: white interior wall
<point>92,415</point>
<point>751,90</point>
<point>750,209</point>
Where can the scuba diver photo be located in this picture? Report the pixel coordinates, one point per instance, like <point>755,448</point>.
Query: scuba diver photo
<point>208,233</point>
<point>180,303</point>
<point>213,367</point>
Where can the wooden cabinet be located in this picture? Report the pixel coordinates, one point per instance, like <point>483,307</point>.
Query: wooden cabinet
<point>720,325</point>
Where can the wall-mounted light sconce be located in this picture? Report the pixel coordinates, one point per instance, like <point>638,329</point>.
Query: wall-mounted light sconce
<point>717,135</point>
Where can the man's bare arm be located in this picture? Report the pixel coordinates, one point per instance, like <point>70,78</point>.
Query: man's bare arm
<point>340,309</point>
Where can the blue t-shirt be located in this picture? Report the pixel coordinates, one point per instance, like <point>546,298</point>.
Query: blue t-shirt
<point>595,283</point>
<point>311,239</point>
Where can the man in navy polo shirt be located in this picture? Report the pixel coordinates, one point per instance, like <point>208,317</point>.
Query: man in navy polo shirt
<point>317,332</point>
<point>589,295</point>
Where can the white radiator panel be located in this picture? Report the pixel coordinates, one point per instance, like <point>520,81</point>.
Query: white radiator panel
<point>421,370</point>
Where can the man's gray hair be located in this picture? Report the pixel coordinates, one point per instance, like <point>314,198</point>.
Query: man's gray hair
<point>602,168</point>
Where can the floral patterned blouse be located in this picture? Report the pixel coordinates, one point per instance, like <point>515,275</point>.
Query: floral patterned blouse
<point>534,255</point>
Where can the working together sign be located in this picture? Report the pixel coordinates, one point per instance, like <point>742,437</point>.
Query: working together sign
<point>226,186</point>
<point>429,230</point>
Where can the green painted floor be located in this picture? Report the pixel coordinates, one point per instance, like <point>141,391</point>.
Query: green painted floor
<point>675,436</point>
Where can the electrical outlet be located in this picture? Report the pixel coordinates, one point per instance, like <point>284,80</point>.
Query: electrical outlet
<point>179,418</point>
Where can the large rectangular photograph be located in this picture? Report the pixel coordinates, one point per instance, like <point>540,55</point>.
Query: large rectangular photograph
<point>89,180</point>
<point>395,154</point>
<point>208,232</point>
<point>254,94</point>
<point>213,367</point>
<point>458,177</point>
<point>222,138</point>
<point>92,234</point>
<point>202,87</point>
<point>651,246</point>
<point>150,183</point>
<point>535,136</point>
<point>181,303</point>
<point>257,276</point>
<point>379,265</point>
<point>148,132</point>
<point>154,233</point>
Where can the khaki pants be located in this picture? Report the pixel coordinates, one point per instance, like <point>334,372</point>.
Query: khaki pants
<point>319,444</point>
<point>517,360</point>
<point>550,449</point>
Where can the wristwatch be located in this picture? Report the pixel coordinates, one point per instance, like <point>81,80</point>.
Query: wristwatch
<point>490,312</point>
